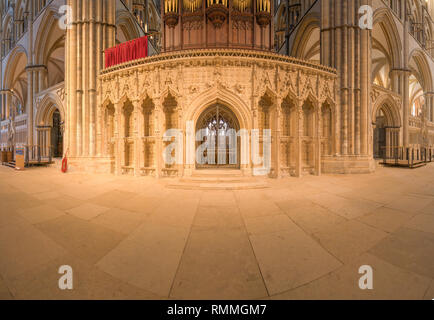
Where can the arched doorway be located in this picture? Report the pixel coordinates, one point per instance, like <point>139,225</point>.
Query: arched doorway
<point>219,143</point>
<point>57,135</point>
<point>379,135</point>
<point>50,131</point>
<point>386,132</point>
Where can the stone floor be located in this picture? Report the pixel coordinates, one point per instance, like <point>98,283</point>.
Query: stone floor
<point>129,238</point>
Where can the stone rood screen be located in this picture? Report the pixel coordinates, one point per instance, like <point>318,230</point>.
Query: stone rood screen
<point>127,51</point>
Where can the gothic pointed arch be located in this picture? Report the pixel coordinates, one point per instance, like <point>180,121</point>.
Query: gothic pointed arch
<point>50,48</point>
<point>390,108</point>
<point>46,107</point>
<point>385,20</point>
<point>127,28</point>
<point>386,48</point>
<point>307,42</point>
<point>215,95</point>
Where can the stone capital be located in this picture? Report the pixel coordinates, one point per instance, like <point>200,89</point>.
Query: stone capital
<point>400,71</point>
<point>36,67</point>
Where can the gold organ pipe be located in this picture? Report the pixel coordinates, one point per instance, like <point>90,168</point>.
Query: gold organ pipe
<point>264,6</point>
<point>192,5</point>
<point>171,6</point>
<point>213,2</point>
<point>242,5</point>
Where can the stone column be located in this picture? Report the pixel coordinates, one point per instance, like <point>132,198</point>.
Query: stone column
<point>336,131</point>
<point>99,125</point>
<point>48,146</point>
<point>396,143</point>
<point>92,30</point>
<point>190,143</point>
<point>190,148</point>
<point>8,98</point>
<point>318,139</point>
<point>394,79</point>
<point>42,78</point>
<point>36,75</point>
<point>276,136</point>
<point>245,152</point>
<point>346,47</point>
<point>119,138</point>
<point>29,110</point>
<point>255,109</point>
<point>2,110</point>
<point>138,120</point>
<point>30,96</point>
<point>255,126</point>
<point>429,106</point>
<point>5,106</point>
<point>406,75</point>
<point>180,146</point>
<point>365,59</point>
<point>406,107</point>
<point>92,82</point>
<point>389,133</point>
<point>71,82</point>
<point>298,139</point>
<point>158,137</point>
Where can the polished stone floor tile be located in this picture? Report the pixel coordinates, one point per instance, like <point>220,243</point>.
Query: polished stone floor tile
<point>290,258</point>
<point>86,240</point>
<point>134,238</point>
<point>389,283</point>
<point>350,239</point>
<point>408,249</point>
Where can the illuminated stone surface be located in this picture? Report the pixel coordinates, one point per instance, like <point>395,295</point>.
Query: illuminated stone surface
<point>297,239</point>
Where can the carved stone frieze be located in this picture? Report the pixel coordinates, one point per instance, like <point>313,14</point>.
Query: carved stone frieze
<point>241,73</point>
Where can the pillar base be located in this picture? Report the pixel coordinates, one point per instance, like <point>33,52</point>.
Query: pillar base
<point>347,165</point>
<point>92,165</point>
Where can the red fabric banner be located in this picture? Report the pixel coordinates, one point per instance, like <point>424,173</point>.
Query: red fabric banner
<point>127,51</point>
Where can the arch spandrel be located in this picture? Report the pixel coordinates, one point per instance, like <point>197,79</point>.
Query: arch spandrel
<point>287,82</point>
<point>308,86</point>
<point>326,91</point>
<point>264,81</point>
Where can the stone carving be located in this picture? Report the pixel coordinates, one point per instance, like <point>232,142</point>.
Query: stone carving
<point>308,84</point>
<point>61,93</point>
<point>375,93</point>
<point>154,80</point>
<point>326,89</point>
<point>287,82</point>
<point>240,78</point>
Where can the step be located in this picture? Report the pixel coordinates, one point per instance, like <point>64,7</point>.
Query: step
<point>212,179</point>
<point>219,173</point>
<point>218,186</point>
<point>9,164</point>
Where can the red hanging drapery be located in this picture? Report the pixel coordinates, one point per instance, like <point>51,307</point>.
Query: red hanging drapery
<point>127,51</point>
